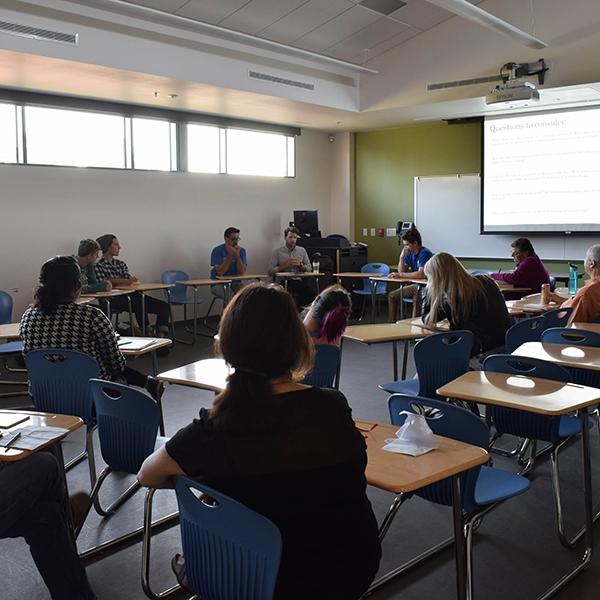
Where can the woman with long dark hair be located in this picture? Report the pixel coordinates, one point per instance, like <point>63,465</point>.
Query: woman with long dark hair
<point>286,450</point>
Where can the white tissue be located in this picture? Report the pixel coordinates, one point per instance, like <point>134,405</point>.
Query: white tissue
<point>414,437</point>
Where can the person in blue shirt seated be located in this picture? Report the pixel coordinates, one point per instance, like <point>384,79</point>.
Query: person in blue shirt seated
<point>228,259</point>
<point>411,265</point>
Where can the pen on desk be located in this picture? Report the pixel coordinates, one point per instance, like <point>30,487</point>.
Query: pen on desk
<point>12,441</point>
<point>124,343</point>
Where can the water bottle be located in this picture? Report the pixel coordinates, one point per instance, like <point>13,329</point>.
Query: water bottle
<point>572,278</point>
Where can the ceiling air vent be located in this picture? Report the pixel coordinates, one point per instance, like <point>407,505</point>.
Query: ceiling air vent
<point>37,33</point>
<point>281,80</point>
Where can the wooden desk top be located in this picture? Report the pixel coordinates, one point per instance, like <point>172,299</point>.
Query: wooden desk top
<point>507,288</point>
<point>357,275</point>
<point>148,287</point>
<point>10,331</point>
<point>112,294</point>
<point>595,327</point>
<point>208,374</point>
<point>155,344</point>
<point>581,357</point>
<point>38,419</point>
<point>385,332</point>
<point>542,396</point>
<point>199,282</point>
<point>402,473</point>
<point>439,327</point>
<point>242,277</point>
<point>291,274</point>
<point>402,280</point>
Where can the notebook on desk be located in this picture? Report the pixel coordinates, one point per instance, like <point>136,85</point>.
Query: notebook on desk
<point>439,326</point>
<point>8,420</point>
<point>131,343</point>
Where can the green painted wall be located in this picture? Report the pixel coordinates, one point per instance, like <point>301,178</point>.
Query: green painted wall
<point>387,161</point>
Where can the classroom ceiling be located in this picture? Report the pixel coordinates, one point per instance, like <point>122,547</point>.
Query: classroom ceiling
<point>352,30</point>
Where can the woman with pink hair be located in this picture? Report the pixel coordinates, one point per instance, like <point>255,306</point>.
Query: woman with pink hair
<point>327,317</point>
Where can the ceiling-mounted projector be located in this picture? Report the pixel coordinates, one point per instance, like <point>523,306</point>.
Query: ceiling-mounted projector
<point>513,92</point>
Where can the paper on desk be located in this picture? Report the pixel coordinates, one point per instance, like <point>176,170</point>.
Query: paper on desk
<point>414,437</point>
<point>33,437</point>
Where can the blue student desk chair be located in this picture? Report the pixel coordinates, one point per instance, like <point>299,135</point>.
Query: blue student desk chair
<point>180,296</point>
<point>380,286</point>
<point>558,317</point>
<point>6,307</point>
<point>482,487</point>
<point>325,371</point>
<point>230,551</point>
<point>59,383</point>
<point>439,358</point>
<point>527,330</point>
<point>531,426</point>
<point>9,349</point>
<point>128,422</point>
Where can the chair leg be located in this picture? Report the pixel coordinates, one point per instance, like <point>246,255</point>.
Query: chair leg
<point>468,532</point>
<point>89,446</point>
<point>146,553</point>
<point>95,495</point>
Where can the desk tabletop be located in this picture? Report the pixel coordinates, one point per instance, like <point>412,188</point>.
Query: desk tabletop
<point>208,374</point>
<point>402,280</point>
<point>148,287</point>
<point>9,331</point>
<point>112,294</point>
<point>242,277</point>
<point>357,275</point>
<point>439,327</point>
<point>199,282</point>
<point>581,357</point>
<point>38,419</point>
<point>595,327</point>
<point>385,332</point>
<point>153,344</point>
<point>402,473</point>
<point>542,396</point>
<point>507,288</point>
<point>291,274</point>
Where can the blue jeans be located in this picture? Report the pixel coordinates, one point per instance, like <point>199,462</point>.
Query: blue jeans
<point>34,505</point>
<point>219,292</point>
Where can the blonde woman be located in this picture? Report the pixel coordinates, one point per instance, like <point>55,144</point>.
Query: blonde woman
<point>471,302</point>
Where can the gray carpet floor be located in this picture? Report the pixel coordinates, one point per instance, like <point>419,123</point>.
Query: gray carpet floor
<point>516,549</point>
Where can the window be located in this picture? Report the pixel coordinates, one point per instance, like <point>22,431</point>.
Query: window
<point>8,133</point>
<point>257,153</point>
<point>74,138</point>
<point>203,149</point>
<point>151,142</point>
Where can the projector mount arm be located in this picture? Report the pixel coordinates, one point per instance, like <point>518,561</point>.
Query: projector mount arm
<point>511,71</point>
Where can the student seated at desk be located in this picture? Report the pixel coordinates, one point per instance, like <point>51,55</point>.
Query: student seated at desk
<point>411,265</point>
<point>471,302</point>
<point>87,255</point>
<point>34,505</point>
<point>228,259</point>
<point>530,271</point>
<point>586,302</point>
<point>327,318</point>
<point>288,451</point>
<point>55,321</point>
<point>111,269</point>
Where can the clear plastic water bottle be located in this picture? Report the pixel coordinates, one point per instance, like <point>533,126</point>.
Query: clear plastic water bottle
<point>572,278</point>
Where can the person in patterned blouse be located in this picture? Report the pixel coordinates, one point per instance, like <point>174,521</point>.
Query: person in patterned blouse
<point>116,272</point>
<point>55,321</point>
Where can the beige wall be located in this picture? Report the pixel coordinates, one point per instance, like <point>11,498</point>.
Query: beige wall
<point>163,220</point>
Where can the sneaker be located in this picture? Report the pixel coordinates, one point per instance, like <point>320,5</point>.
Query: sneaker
<point>178,567</point>
<point>155,387</point>
<point>80,506</point>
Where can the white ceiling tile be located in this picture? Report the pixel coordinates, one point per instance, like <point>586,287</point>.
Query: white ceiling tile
<point>421,14</point>
<point>164,5</point>
<point>337,29</point>
<point>304,19</point>
<point>258,14</point>
<point>371,35</point>
<point>363,57</point>
<point>210,11</point>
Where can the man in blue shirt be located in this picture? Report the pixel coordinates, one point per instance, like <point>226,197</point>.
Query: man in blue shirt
<point>411,265</point>
<point>228,259</point>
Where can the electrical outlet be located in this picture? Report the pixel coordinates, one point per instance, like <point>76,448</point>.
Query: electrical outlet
<point>372,231</point>
<point>390,232</point>
<point>365,232</point>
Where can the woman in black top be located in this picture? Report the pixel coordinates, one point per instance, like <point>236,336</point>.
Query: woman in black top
<point>471,302</point>
<point>286,450</point>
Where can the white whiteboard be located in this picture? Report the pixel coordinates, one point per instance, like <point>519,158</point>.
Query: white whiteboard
<point>447,215</point>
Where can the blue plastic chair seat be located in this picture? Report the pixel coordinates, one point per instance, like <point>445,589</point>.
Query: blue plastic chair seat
<point>494,485</point>
<point>570,425</point>
<point>407,386</point>
<point>11,348</point>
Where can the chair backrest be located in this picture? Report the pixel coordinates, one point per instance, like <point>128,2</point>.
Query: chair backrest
<point>327,362</point>
<point>574,337</point>
<point>527,330</point>
<point>230,551</point>
<point>518,422</point>
<point>450,421</point>
<point>127,422</point>
<point>440,358</point>
<point>179,292</point>
<point>6,306</point>
<point>59,382</point>
<point>557,317</point>
<point>381,268</point>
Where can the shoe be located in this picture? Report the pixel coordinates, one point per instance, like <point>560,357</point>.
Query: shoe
<point>80,506</point>
<point>155,387</point>
<point>178,567</point>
